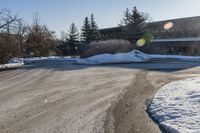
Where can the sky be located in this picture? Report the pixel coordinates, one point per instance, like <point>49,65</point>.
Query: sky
<point>59,14</point>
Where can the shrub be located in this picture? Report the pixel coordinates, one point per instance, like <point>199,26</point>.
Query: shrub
<point>108,46</point>
<point>9,48</point>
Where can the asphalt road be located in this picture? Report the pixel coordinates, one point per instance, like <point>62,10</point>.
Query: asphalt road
<point>57,97</point>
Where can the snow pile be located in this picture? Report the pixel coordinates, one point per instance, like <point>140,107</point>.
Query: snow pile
<point>58,58</point>
<point>13,63</point>
<point>130,57</point>
<point>16,60</point>
<point>133,56</point>
<point>176,107</point>
<point>31,59</point>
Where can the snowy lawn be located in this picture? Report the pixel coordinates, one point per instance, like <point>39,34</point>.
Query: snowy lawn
<point>176,107</point>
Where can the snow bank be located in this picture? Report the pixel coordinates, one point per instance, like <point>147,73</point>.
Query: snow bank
<point>176,107</point>
<point>31,59</point>
<point>13,63</point>
<point>133,56</point>
<point>130,57</point>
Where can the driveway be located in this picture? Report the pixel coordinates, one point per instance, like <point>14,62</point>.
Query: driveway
<point>57,97</point>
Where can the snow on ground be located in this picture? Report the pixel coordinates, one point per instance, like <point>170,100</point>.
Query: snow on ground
<point>176,107</point>
<point>133,56</point>
<point>13,63</point>
<point>130,57</point>
<point>54,58</point>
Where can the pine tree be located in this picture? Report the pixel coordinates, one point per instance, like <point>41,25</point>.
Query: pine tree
<point>94,30</point>
<point>126,18</point>
<point>85,35</point>
<point>137,21</point>
<point>90,30</point>
<point>133,23</point>
<point>73,38</point>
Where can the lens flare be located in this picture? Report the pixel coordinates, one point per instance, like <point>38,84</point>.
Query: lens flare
<point>32,53</point>
<point>168,25</point>
<point>141,42</point>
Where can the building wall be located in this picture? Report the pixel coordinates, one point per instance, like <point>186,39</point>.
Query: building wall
<point>180,48</point>
<point>182,28</point>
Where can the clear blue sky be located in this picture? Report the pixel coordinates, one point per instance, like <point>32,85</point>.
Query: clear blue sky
<point>59,14</point>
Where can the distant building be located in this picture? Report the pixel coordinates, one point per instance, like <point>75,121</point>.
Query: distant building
<point>176,36</point>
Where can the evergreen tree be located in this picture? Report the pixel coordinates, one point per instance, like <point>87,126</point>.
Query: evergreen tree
<point>73,38</point>
<point>85,35</point>
<point>137,21</point>
<point>133,23</point>
<point>90,30</point>
<point>126,18</point>
<point>94,30</point>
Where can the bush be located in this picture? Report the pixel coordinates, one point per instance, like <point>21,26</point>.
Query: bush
<point>108,46</point>
<point>9,48</point>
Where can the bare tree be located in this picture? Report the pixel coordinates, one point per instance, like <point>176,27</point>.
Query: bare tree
<point>7,18</point>
<point>40,39</point>
<point>9,39</point>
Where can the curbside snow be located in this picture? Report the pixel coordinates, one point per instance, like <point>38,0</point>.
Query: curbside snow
<point>176,106</point>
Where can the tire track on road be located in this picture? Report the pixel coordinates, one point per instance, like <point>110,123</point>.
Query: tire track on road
<point>130,112</point>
